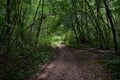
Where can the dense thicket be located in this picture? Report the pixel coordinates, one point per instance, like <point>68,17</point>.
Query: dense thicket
<point>27,27</point>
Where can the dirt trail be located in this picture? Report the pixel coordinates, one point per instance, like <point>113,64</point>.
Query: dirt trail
<point>73,64</point>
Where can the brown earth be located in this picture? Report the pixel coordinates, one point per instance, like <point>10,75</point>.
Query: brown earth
<point>73,64</point>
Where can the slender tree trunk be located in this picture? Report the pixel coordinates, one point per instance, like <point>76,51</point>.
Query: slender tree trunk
<point>112,25</point>
<point>8,20</point>
<point>76,19</point>
<point>30,27</point>
<point>75,32</point>
<point>95,21</point>
<point>40,24</point>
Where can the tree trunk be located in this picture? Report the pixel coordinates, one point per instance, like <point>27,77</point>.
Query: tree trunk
<point>8,29</point>
<point>40,24</point>
<point>112,25</point>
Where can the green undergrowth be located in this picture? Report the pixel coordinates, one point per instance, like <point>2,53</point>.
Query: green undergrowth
<point>75,44</point>
<point>19,63</point>
<point>111,63</point>
<point>70,40</point>
<point>56,40</point>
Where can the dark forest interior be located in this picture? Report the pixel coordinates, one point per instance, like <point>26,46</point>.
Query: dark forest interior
<point>33,32</point>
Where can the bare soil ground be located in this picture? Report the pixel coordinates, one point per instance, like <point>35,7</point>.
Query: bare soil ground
<point>73,64</point>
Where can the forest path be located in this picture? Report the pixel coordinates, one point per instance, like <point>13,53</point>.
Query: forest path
<point>73,64</point>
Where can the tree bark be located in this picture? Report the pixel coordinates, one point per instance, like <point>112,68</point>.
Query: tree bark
<point>40,24</point>
<point>108,12</point>
<point>8,21</point>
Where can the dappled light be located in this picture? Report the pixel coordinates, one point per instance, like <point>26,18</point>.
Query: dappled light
<point>59,40</point>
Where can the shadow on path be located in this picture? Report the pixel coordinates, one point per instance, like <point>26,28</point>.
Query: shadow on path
<point>73,64</point>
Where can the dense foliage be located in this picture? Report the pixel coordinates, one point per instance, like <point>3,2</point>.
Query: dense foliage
<point>29,29</point>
